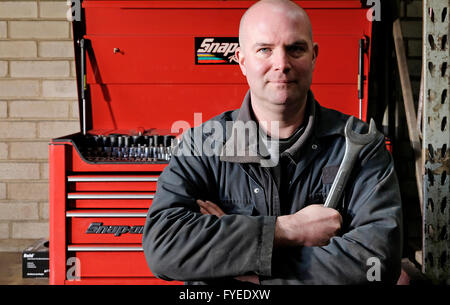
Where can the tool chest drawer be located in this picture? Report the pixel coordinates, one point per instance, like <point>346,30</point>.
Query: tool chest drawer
<point>101,200</point>
<point>105,226</point>
<point>115,260</point>
<point>103,190</point>
<point>105,183</point>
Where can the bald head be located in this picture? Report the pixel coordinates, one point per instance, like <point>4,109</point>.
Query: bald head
<point>277,55</point>
<point>264,8</point>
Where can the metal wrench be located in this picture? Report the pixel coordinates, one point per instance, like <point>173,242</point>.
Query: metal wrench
<point>354,142</point>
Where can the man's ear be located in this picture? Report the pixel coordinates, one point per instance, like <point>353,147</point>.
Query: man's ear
<point>241,60</point>
<point>315,54</point>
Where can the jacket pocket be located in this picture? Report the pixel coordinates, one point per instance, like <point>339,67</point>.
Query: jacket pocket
<point>329,174</point>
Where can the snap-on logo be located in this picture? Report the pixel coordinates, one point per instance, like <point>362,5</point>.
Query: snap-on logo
<point>99,228</point>
<point>216,50</point>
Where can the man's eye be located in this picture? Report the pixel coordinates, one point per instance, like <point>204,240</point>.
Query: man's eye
<point>295,50</point>
<point>264,50</point>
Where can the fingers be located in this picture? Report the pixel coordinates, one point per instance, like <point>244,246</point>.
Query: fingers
<point>209,208</point>
<point>203,211</point>
<point>315,225</point>
<point>248,278</point>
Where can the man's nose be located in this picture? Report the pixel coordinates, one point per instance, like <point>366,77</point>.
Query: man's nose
<point>281,61</point>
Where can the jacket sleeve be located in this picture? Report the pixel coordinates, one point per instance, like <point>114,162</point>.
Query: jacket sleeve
<point>182,244</point>
<point>370,248</point>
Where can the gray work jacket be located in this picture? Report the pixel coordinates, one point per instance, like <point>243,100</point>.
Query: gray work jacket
<point>182,244</point>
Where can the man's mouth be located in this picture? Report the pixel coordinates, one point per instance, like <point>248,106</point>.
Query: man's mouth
<point>282,81</point>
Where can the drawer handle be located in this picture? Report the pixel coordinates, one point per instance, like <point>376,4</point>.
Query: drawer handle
<point>110,196</point>
<point>96,248</point>
<point>104,214</point>
<point>112,179</point>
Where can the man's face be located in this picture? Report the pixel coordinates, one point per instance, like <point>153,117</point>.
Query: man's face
<point>278,58</point>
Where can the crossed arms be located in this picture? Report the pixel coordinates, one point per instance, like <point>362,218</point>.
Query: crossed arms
<point>190,240</point>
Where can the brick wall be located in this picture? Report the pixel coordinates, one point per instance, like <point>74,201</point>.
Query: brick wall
<point>37,103</point>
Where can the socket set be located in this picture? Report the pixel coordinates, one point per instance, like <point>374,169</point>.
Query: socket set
<point>128,148</point>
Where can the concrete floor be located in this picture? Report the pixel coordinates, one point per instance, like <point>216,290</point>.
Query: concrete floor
<point>11,271</point>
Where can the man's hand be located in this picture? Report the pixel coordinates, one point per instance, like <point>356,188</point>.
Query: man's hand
<point>210,208</point>
<point>312,226</point>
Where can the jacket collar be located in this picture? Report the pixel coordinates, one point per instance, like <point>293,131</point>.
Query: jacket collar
<point>318,124</point>
<point>242,152</point>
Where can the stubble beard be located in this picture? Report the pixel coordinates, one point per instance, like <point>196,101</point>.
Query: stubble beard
<point>282,94</point>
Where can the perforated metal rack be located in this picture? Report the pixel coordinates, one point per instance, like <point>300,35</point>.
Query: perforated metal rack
<point>436,138</point>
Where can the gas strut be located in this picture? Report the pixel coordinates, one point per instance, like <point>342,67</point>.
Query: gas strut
<point>361,76</point>
<point>83,85</point>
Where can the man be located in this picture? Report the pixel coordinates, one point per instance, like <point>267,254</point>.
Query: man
<point>231,217</point>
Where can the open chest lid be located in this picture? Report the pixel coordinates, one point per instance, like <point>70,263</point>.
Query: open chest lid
<point>153,65</point>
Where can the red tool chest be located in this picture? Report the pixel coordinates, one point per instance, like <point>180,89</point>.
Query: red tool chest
<point>141,77</point>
